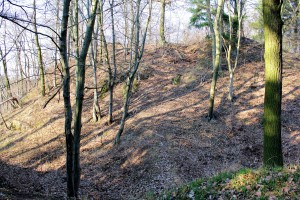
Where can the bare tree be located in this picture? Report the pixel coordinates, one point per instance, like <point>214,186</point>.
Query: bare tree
<point>217,30</point>
<point>80,80</point>
<point>39,51</point>
<point>136,54</point>
<point>232,43</point>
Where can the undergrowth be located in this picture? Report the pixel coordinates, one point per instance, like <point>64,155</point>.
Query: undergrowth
<point>277,183</point>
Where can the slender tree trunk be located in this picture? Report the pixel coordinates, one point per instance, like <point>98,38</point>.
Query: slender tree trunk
<point>96,107</point>
<point>112,75</point>
<point>162,23</point>
<point>55,53</point>
<point>235,24</point>
<point>100,22</point>
<point>80,79</point>
<point>7,83</point>
<point>20,68</point>
<point>39,52</point>
<point>125,109</point>
<point>126,30</point>
<point>234,42</point>
<point>133,65</point>
<point>212,32</point>
<point>94,61</point>
<point>296,36</point>
<point>67,102</point>
<point>231,79</point>
<point>26,66</point>
<point>217,30</point>
<point>273,82</point>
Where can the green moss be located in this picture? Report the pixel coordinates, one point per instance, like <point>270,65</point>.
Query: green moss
<point>176,80</point>
<point>244,184</point>
<point>104,90</point>
<point>135,85</point>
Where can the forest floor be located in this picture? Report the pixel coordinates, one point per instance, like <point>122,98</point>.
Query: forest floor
<point>168,140</point>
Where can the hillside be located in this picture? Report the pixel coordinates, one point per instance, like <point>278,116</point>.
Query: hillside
<point>167,140</point>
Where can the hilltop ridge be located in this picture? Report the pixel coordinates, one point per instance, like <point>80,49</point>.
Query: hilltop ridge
<point>167,140</point>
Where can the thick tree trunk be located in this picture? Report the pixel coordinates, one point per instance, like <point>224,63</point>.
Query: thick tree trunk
<point>217,30</point>
<point>273,82</point>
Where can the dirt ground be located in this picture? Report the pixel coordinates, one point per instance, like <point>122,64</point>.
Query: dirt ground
<point>167,140</point>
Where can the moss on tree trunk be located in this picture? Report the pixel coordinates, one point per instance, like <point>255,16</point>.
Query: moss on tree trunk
<point>272,155</point>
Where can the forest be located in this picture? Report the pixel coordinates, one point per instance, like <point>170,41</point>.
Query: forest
<point>143,99</point>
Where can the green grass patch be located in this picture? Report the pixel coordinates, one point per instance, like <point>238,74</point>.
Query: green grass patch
<point>279,183</point>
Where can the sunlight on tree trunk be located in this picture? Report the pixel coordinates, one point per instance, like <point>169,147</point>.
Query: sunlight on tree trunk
<point>217,30</point>
<point>134,64</point>
<point>273,82</point>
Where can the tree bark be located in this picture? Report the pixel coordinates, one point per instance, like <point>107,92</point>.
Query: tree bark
<point>211,28</point>
<point>67,102</point>
<point>217,30</point>
<point>272,155</point>
<point>94,60</point>
<point>162,23</point>
<point>112,75</point>
<point>7,83</point>
<point>55,53</point>
<point>39,52</point>
<point>134,64</point>
<point>80,80</point>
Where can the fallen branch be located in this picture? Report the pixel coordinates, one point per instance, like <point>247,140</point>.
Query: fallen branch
<point>53,95</point>
<point>13,101</point>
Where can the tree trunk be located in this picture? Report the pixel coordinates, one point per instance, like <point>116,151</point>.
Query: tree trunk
<point>112,75</point>
<point>217,30</point>
<point>80,79</point>
<point>125,109</point>
<point>234,42</point>
<point>67,101</point>
<point>273,82</point>
<point>39,52</point>
<point>231,78</point>
<point>106,60</point>
<point>162,23</point>
<point>134,63</point>
<point>20,68</point>
<point>55,53</point>
<point>7,83</point>
<point>94,61</point>
<point>211,28</point>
